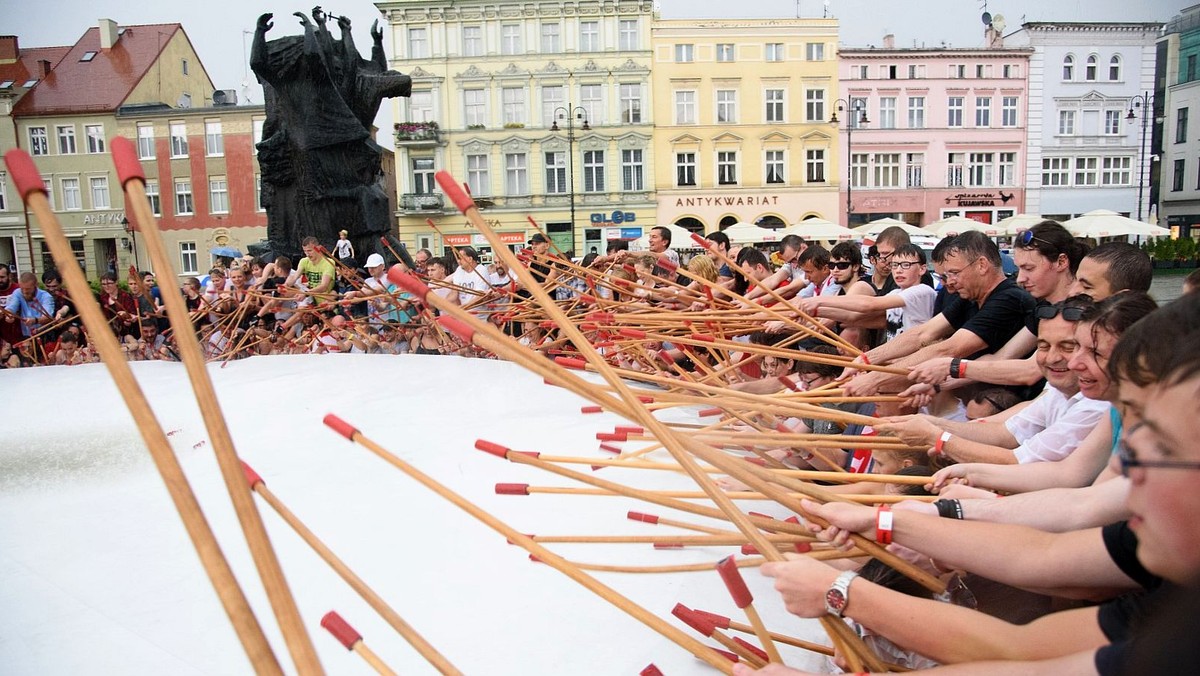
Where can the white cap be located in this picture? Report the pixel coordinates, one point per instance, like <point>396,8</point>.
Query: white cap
<point>374,260</point>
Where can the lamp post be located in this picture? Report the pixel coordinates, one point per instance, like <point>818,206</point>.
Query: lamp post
<point>858,116</point>
<point>1143,102</point>
<point>132,240</point>
<point>571,114</point>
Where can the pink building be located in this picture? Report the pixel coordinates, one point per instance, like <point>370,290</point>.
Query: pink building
<point>944,133</point>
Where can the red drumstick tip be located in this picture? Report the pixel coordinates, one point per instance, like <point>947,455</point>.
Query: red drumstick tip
<point>126,161</point>
<point>571,363</point>
<point>700,241</point>
<point>666,263</point>
<point>591,409</point>
<point>642,516</point>
<point>732,657</point>
<point>650,670</point>
<point>341,629</point>
<point>721,621</point>
<point>632,333</point>
<point>728,569</point>
<point>340,426</point>
<point>629,429</point>
<point>252,477</point>
<point>458,327</point>
<point>408,282</point>
<point>512,489</point>
<point>709,412</point>
<point>454,191</point>
<point>700,624</point>
<point>751,647</point>
<point>803,547</point>
<point>750,550</point>
<point>611,436</point>
<point>24,172</point>
<point>610,448</point>
<point>493,448</point>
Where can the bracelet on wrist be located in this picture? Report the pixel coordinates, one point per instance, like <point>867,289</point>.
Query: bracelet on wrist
<point>949,509</point>
<point>939,446</point>
<point>954,367</point>
<point>883,524</point>
<point>962,368</point>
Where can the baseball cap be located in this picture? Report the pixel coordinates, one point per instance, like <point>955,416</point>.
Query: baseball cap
<point>374,260</point>
<point>538,238</point>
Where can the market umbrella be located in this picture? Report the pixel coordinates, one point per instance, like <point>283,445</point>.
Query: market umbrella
<point>225,252</point>
<point>955,225</point>
<point>1105,223</point>
<point>819,228</point>
<point>1015,224</point>
<point>746,233</point>
<point>872,229</point>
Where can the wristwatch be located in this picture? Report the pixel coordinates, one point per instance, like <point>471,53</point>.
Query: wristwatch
<point>839,593</point>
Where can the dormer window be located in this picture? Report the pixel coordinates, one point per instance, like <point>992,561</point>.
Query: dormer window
<point>87,56</point>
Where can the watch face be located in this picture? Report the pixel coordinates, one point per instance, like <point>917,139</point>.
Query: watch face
<point>836,600</point>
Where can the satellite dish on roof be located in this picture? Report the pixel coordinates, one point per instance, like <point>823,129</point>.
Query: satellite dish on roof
<point>998,23</point>
<point>987,18</point>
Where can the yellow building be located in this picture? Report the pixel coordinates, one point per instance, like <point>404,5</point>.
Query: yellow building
<point>742,112</point>
<point>543,109</point>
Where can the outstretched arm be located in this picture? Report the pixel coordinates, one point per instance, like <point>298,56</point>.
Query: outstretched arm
<point>259,61</point>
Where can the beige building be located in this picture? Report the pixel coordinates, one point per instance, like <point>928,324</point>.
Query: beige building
<point>542,109</point>
<point>742,131</point>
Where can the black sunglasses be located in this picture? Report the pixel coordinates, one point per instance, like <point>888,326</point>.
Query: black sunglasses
<point>840,265</point>
<point>1129,460</point>
<point>1071,314</point>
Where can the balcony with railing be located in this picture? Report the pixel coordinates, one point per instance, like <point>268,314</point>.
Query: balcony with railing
<point>419,202</point>
<point>417,133</point>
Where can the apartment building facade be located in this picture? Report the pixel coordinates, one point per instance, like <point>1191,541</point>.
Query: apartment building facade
<point>542,109</point>
<point>1179,65</point>
<point>742,132</point>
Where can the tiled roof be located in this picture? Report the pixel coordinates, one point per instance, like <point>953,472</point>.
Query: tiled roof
<point>27,68</point>
<point>104,82</point>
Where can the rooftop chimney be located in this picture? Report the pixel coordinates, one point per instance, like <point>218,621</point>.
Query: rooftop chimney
<point>889,41</point>
<point>108,33</point>
<point>8,48</point>
<point>45,66</point>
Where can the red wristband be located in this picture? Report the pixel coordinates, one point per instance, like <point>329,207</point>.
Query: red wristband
<point>939,446</point>
<point>883,524</point>
<point>962,369</point>
<point>866,359</point>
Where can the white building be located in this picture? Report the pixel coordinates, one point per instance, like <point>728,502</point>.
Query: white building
<point>1084,153</point>
<point>1180,186</point>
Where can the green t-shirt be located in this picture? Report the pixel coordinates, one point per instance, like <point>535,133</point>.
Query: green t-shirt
<point>312,273</point>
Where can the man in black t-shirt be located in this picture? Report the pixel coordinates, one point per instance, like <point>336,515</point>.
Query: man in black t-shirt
<point>973,265</point>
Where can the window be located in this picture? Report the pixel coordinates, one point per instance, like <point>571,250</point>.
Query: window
<point>1089,69</point>
<point>916,72</point>
<point>184,66</point>
<point>189,260</point>
<point>593,171</point>
<point>684,53</point>
<point>727,105</point>
<point>1085,171</point>
<point>627,33</point>
<point>1066,122</point>
<point>478,179</point>
<point>258,204</point>
<point>1056,171</point>
<point>422,176</point>
<point>475,107</point>
<point>954,111</point>
<point>1177,176</point>
<point>72,199</point>
<point>814,163</point>
<point>914,170</point>
<point>631,103</point>
<point>218,195</point>
<point>775,51</point>
<point>814,105</point>
<point>1008,71</point>
<point>1007,169</point>
<point>145,140</point>
<point>551,40</point>
<point>183,197</point>
<point>1068,68</point>
<point>256,132</point>
<point>958,72</point>
<point>814,51</point>
<point>887,170</point>
<point>983,111</point>
<point>39,143</point>
<point>1112,122</point>
<point>553,98</point>
<point>514,105</point>
<point>87,56</point>
<point>774,166</point>
<point>99,185</point>
<point>556,173</point>
<point>95,138</point>
<point>725,52</point>
<point>1181,124</point>
<point>858,108</point>
<point>179,141</point>
<point>860,72</point>
<point>954,170</point>
<point>916,112</point>
<point>1008,111</point>
<point>727,168</point>
<point>472,38</point>
<point>774,105</point>
<point>420,106</point>
<point>510,38</point>
<point>29,83</point>
<point>1116,171</point>
<point>858,170</point>
<point>49,185</point>
<point>66,139</point>
<point>418,43</point>
<point>214,142</point>
<point>632,178</point>
<point>589,36</point>
<point>591,99</point>
<point>983,71</point>
<point>153,196</point>
<point>1114,69</point>
<point>516,174</point>
<point>685,107</point>
<point>887,112</point>
<point>3,191</point>
<point>685,169</point>
<point>979,170</point>
<point>1191,68</point>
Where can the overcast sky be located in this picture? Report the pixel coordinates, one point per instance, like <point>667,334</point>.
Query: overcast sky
<point>216,26</point>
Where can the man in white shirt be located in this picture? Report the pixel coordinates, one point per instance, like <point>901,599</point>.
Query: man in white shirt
<point>470,278</point>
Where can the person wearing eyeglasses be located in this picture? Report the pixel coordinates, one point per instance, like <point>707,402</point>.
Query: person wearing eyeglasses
<point>1149,558</point>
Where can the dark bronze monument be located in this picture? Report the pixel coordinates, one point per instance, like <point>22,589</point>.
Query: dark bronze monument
<point>320,163</point>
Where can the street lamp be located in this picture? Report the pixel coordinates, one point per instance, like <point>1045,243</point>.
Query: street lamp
<point>859,116</point>
<point>571,114</point>
<point>133,240</point>
<point>1142,102</point>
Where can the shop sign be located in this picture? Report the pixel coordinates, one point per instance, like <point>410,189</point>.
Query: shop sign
<point>111,218</point>
<point>616,218</point>
<point>979,199</point>
<point>729,201</point>
<point>622,233</point>
<point>457,240</point>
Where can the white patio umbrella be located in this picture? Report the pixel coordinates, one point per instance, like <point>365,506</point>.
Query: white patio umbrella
<point>747,233</point>
<point>681,238</point>
<point>872,229</point>
<point>1105,223</point>
<point>1014,224</point>
<point>954,225</point>
<point>819,228</point>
